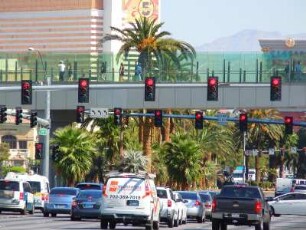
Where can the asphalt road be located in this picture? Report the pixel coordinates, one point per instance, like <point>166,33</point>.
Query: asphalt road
<point>15,221</point>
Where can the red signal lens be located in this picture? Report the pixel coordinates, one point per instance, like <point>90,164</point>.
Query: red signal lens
<point>157,113</point>
<point>80,109</point>
<point>198,116</point>
<point>288,120</point>
<point>275,81</point>
<point>117,112</point>
<point>243,117</point>
<point>83,83</point>
<point>212,81</point>
<point>149,82</point>
<point>26,85</point>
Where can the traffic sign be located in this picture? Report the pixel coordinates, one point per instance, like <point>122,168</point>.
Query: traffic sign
<point>294,149</point>
<point>271,151</point>
<point>98,113</point>
<point>42,132</point>
<point>222,118</point>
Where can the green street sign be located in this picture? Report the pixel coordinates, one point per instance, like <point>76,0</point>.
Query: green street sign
<point>42,132</point>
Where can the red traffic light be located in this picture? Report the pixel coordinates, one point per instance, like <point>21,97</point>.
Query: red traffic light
<point>38,146</point>
<point>26,85</point>
<point>276,81</point>
<point>150,89</point>
<point>117,111</point>
<point>83,90</point>
<point>243,122</point>
<point>212,81</point>
<point>80,109</point>
<point>149,82</point>
<point>243,117</point>
<point>26,92</point>
<point>198,116</point>
<point>199,120</point>
<point>276,89</point>
<point>288,120</point>
<point>83,83</point>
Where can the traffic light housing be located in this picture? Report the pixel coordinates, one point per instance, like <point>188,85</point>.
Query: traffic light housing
<point>198,120</point>
<point>288,125</point>
<point>38,151</point>
<point>212,89</point>
<point>117,116</point>
<point>26,92</point>
<point>80,110</point>
<point>33,119</point>
<point>158,118</point>
<point>55,153</point>
<point>3,114</point>
<point>243,122</point>
<point>276,89</point>
<point>150,89</point>
<point>18,116</point>
<point>83,90</point>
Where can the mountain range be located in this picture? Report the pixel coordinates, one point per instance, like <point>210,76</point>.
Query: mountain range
<point>245,40</point>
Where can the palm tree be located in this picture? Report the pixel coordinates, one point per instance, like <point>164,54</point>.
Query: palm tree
<point>182,158</point>
<point>260,135</point>
<point>76,148</point>
<point>144,37</point>
<point>134,161</point>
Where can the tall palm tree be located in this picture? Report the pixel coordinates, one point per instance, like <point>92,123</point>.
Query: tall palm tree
<point>134,161</point>
<point>151,44</point>
<point>76,147</point>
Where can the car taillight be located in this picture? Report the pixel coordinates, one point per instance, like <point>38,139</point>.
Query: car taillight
<point>44,197</point>
<point>21,196</point>
<point>74,204</point>
<point>169,203</point>
<point>258,207</point>
<point>214,205</point>
<point>197,203</point>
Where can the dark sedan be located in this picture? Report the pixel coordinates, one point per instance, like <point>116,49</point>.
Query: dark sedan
<point>87,204</point>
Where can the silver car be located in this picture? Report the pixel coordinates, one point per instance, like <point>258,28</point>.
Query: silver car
<point>195,207</point>
<point>207,200</point>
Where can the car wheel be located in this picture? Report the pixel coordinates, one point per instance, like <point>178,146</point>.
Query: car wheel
<point>53,214</point>
<point>112,225</point>
<point>171,222</point>
<point>258,226</point>
<point>266,225</point>
<point>200,219</point>
<point>104,224</point>
<point>176,222</point>
<point>46,214</point>
<point>32,210</point>
<point>24,210</point>
<point>215,225</point>
<point>156,225</point>
<point>223,226</point>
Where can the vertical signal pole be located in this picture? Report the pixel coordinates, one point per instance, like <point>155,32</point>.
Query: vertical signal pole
<point>244,157</point>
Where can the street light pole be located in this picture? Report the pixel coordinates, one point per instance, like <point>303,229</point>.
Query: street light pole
<point>47,117</point>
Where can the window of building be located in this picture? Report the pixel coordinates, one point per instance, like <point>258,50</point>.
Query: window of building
<point>23,145</point>
<point>11,140</point>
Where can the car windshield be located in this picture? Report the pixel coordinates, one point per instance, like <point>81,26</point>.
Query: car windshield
<point>9,185</point>
<point>189,195</point>
<point>63,191</point>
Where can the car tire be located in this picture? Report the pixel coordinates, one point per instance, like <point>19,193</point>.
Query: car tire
<point>215,225</point>
<point>112,224</point>
<point>24,210</point>
<point>223,226</point>
<point>200,219</point>
<point>266,225</point>
<point>104,224</point>
<point>176,221</point>
<point>156,225</point>
<point>32,210</point>
<point>171,222</point>
<point>46,214</point>
<point>53,214</point>
<point>258,226</point>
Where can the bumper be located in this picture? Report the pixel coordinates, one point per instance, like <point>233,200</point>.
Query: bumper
<point>12,207</point>
<point>238,219</point>
<point>194,212</point>
<point>86,213</point>
<point>126,218</point>
<point>57,209</point>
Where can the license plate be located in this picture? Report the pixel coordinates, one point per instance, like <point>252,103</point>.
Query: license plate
<point>235,215</point>
<point>88,206</point>
<point>132,203</point>
<point>61,206</point>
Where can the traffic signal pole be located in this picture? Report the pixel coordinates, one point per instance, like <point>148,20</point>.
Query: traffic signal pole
<point>47,136</point>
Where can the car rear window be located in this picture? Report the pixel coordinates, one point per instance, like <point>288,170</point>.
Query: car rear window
<point>243,192</point>
<point>9,185</point>
<point>64,191</point>
<point>89,186</point>
<point>162,193</point>
<point>205,197</point>
<point>35,185</point>
<point>189,195</point>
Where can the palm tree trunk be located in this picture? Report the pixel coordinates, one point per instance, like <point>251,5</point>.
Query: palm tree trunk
<point>147,140</point>
<point>257,167</point>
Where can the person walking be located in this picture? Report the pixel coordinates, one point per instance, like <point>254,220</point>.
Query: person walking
<point>138,71</point>
<point>298,71</point>
<point>62,68</point>
<point>121,72</point>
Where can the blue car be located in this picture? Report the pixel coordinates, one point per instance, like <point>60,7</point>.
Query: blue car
<point>60,200</point>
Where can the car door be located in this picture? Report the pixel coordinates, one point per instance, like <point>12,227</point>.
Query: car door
<point>283,205</point>
<point>299,204</point>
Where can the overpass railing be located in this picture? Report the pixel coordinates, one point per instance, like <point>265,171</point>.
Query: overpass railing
<point>235,67</point>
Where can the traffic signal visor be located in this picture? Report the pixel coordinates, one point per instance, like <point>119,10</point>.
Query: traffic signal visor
<point>150,89</point>
<point>26,92</point>
<point>212,89</point>
<point>276,89</point>
<point>199,120</point>
<point>83,90</point>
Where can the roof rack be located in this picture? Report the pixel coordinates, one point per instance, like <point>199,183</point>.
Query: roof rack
<point>141,174</point>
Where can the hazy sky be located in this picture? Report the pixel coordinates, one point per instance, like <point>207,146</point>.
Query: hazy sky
<point>202,21</point>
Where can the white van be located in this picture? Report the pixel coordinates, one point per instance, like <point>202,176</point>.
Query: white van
<point>39,184</point>
<point>130,198</point>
